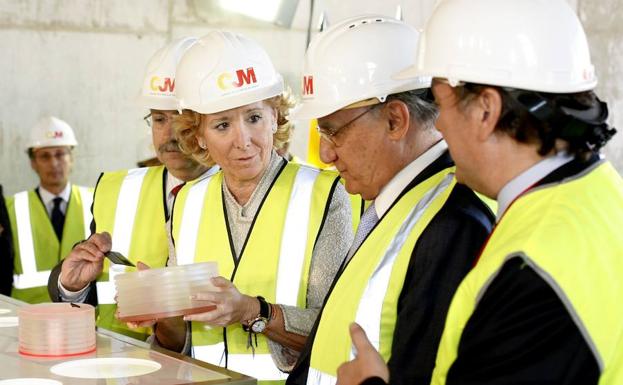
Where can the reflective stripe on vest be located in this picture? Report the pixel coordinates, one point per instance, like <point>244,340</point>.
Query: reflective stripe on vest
<point>130,205</point>
<point>370,285</point>
<point>87,200</point>
<point>122,233</point>
<point>315,376</point>
<point>371,303</point>
<point>262,365</point>
<point>294,238</point>
<point>569,233</point>
<point>186,243</point>
<point>30,277</point>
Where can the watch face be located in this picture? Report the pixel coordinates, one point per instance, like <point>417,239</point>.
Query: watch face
<point>258,326</point>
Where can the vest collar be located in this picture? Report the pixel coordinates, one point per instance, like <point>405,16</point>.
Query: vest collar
<point>529,178</point>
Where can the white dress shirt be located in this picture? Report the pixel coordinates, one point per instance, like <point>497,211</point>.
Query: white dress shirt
<point>522,182</point>
<point>171,183</point>
<point>392,190</point>
<point>48,199</point>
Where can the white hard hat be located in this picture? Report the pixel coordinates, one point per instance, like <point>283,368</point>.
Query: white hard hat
<point>225,70</point>
<point>158,91</point>
<point>355,60</point>
<point>536,45</point>
<point>49,132</point>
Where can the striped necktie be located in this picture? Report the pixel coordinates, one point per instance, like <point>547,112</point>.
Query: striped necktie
<point>368,220</point>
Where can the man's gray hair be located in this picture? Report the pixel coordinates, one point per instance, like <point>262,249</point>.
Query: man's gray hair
<point>421,110</point>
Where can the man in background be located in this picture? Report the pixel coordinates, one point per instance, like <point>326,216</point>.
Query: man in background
<point>47,221</point>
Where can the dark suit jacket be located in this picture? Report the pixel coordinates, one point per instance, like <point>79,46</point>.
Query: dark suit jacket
<point>442,256</point>
<point>6,249</point>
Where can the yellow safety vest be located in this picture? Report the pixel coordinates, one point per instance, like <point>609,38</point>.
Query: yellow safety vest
<point>570,233</point>
<point>37,248</point>
<point>368,289</point>
<point>129,204</point>
<point>274,262</point>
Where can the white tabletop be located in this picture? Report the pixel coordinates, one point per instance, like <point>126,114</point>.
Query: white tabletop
<point>175,368</point>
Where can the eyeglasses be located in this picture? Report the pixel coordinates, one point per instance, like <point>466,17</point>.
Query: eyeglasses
<point>48,156</point>
<point>147,119</point>
<point>157,121</point>
<point>331,134</point>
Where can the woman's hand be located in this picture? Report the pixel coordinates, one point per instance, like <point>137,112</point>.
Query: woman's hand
<point>231,305</point>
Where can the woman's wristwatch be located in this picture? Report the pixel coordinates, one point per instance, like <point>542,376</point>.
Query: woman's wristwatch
<point>259,323</point>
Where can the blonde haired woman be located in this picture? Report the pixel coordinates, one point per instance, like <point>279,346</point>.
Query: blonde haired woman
<point>278,230</point>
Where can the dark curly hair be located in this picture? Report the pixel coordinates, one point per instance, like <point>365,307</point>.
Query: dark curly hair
<point>542,118</point>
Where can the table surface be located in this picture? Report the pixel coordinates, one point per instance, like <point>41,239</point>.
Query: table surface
<point>175,368</point>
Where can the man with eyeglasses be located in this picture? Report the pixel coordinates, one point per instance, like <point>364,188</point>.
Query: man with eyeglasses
<point>420,236</point>
<point>519,110</point>
<point>46,222</point>
<point>132,208</point>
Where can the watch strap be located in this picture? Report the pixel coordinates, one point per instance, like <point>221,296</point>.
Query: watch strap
<point>264,308</point>
<point>265,314</point>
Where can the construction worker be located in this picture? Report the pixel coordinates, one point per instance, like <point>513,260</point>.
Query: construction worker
<point>514,83</point>
<point>132,208</point>
<point>46,222</point>
<point>278,230</point>
<point>421,234</point>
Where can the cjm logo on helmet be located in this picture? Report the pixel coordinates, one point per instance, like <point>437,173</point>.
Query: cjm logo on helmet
<point>162,85</point>
<point>243,77</point>
<point>54,134</point>
<point>308,85</point>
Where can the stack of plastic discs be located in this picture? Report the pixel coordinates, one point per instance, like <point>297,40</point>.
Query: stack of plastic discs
<point>160,293</point>
<point>56,329</point>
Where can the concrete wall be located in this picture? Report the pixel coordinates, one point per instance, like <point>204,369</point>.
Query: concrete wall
<point>83,61</point>
<point>603,21</point>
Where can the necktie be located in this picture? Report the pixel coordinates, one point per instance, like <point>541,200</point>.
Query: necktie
<point>58,218</point>
<point>177,189</point>
<point>367,222</point>
<point>171,198</point>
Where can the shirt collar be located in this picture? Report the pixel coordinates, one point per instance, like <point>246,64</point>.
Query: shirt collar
<point>526,179</point>
<point>172,182</point>
<point>392,190</point>
<point>48,197</point>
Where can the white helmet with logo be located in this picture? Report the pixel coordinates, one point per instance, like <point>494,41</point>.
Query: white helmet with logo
<point>50,132</point>
<point>536,45</point>
<point>355,60</point>
<point>225,70</point>
<point>158,91</point>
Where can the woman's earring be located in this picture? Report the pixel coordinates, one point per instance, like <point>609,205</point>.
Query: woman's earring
<point>202,144</point>
<point>275,128</point>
